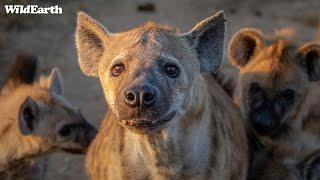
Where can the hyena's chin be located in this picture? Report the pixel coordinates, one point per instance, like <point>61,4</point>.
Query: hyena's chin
<point>143,125</point>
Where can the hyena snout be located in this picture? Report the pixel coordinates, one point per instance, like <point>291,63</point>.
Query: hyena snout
<point>142,96</point>
<point>76,138</point>
<point>267,119</point>
<point>265,122</point>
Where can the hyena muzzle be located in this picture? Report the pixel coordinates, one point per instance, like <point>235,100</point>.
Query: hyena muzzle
<point>167,119</point>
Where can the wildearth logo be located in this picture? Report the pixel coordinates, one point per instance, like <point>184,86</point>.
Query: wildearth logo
<point>32,9</point>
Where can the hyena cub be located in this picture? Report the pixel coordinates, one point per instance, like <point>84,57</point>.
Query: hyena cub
<point>167,118</point>
<point>277,92</point>
<point>276,81</point>
<point>35,119</point>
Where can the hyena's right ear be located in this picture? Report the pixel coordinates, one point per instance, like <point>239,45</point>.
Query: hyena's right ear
<point>309,168</point>
<point>91,39</point>
<point>309,59</point>
<point>244,45</point>
<point>27,118</point>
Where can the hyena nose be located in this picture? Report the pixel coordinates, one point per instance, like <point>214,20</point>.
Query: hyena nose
<point>144,96</point>
<point>148,96</point>
<point>131,98</point>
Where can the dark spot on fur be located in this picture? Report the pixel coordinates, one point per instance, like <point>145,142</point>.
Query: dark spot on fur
<point>144,38</point>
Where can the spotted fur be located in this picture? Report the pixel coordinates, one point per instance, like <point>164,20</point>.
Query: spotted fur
<point>31,117</point>
<point>205,137</point>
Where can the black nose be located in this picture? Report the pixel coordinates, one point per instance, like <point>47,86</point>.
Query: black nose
<point>143,96</point>
<point>266,123</point>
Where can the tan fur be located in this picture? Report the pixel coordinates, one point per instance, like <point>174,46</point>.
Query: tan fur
<point>205,138</point>
<point>14,145</point>
<point>227,78</point>
<point>277,69</point>
<point>227,145</point>
<point>277,63</point>
<point>19,153</point>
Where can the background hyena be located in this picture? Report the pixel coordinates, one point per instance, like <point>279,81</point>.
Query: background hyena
<point>277,93</point>
<point>35,119</point>
<point>277,90</point>
<point>166,119</point>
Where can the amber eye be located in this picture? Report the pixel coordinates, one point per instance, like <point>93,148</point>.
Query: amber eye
<point>171,70</point>
<point>117,69</point>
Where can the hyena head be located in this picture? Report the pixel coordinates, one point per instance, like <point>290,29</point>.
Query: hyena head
<point>46,115</point>
<point>274,78</point>
<point>148,73</point>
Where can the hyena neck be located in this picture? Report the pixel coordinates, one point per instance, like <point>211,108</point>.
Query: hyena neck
<point>185,143</point>
<point>18,149</point>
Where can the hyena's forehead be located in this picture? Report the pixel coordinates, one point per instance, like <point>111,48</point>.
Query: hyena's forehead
<point>280,53</point>
<point>276,79</point>
<point>274,59</point>
<point>146,43</point>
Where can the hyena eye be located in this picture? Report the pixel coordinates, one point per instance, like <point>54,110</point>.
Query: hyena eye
<point>171,70</point>
<point>255,89</point>
<point>65,131</point>
<point>288,94</point>
<point>117,69</point>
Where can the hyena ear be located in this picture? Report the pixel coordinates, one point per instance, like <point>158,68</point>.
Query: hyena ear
<point>244,45</point>
<point>55,82</point>
<point>309,168</point>
<point>27,118</point>
<point>207,38</point>
<point>91,39</point>
<point>309,57</point>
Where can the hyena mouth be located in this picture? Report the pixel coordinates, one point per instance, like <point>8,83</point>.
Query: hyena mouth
<point>146,124</point>
<point>75,151</point>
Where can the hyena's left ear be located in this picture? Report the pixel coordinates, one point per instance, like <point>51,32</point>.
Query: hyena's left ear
<point>309,168</point>
<point>55,82</point>
<point>28,114</point>
<point>91,39</point>
<point>309,59</point>
<point>207,38</point>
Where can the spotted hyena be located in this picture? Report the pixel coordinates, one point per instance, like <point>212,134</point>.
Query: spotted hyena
<point>36,120</point>
<point>167,118</point>
<point>278,90</point>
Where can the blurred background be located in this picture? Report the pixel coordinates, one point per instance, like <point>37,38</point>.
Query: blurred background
<point>51,38</point>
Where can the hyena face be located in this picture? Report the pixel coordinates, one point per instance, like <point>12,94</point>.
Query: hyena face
<point>147,73</point>
<point>49,116</point>
<point>273,78</point>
